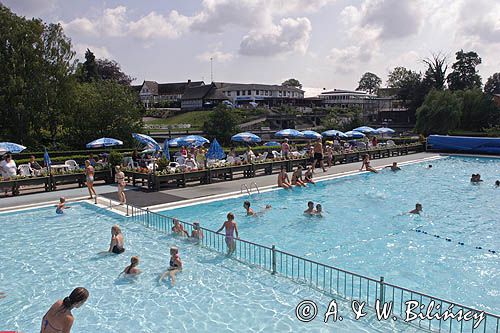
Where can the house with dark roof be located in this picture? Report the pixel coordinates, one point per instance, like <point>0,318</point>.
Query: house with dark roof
<point>154,94</point>
<point>201,97</point>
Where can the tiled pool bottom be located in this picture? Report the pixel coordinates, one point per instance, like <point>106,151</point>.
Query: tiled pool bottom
<point>44,256</point>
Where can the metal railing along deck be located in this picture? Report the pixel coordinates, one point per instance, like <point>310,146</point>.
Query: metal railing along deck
<point>437,315</point>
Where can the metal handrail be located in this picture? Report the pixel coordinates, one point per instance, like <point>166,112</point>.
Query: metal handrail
<point>244,186</point>
<point>347,285</point>
<point>256,187</point>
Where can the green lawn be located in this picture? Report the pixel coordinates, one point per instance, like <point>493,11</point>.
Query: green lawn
<point>195,118</point>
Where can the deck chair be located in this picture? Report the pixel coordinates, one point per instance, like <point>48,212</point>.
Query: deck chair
<point>276,154</point>
<point>72,165</point>
<point>24,170</point>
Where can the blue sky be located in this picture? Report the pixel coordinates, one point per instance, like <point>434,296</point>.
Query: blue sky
<point>323,43</point>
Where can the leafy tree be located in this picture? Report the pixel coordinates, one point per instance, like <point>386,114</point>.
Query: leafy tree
<point>464,75</point>
<point>110,70</point>
<point>400,76</point>
<point>369,82</point>
<point>435,75</point>
<point>440,113</point>
<point>89,68</point>
<point>492,85</point>
<point>221,124</point>
<point>292,83</point>
<point>478,110</point>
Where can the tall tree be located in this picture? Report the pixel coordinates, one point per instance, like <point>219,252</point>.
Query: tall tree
<point>292,83</point>
<point>478,110</point>
<point>435,75</point>
<point>89,69</point>
<point>399,77</point>
<point>439,114</point>
<point>492,85</point>
<point>369,82</point>
<point>410,89</point>
<point>110,70</point>
<point>221,124</point>
<point>464,75</point>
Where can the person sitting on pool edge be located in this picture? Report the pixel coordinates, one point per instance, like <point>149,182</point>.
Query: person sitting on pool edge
<point>59,317</point>
<point>117,241</point>
<point>132,268</point>
<point>197,233</point>
<point>297,177</point>
<point>178,229</point>
<point>366,164</point>
<point>175,265</point>
<point>310,208</point>
<point>61,206</point>
<point>417,210</point>
<point>393,167</point>
<point>283,180</point>
<point>308,176</point>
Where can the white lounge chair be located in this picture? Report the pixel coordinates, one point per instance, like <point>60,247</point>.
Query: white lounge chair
<point>262,157</point>
<point>390,143</point>
<point>276,154</point>
<point>24,170</point>
<point>71,164</point>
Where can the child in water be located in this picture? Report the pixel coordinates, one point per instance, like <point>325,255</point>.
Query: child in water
<point>319,210</point>
<point>132,268</point>
<point>61,206</point>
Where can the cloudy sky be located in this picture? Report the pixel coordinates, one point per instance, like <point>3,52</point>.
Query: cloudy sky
<point>323,43</point>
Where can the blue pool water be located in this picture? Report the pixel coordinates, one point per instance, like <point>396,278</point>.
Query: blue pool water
<point>365,228</point>
<point>44,256</point>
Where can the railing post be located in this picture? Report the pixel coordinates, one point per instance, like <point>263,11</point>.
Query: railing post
<point>382,293</point>
<point>127,210</point>
<point>147,216</point>
<point>273,252</point>
<point>95,199</point>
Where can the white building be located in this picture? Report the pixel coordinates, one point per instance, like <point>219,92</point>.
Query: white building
<point>242,92</point>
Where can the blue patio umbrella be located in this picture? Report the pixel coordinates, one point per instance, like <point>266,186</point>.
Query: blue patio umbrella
<point>246,137</point>
<point>215,152</point>
<point>354,134</point>
<point>334,133</point>
<point>6,147</point>
<point>289,133</point>
<point>189,141</point>
<point>312,135</point>
<point>365,130</point>
<point>272,144</point>
<point>46,159</point>
<point>104,142</point>
<point>385,130</point>
<point>166,151</point>
<point>147,140</point>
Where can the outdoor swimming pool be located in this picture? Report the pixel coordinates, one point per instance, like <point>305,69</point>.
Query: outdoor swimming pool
<point>365,228</point>
<point>44,256</point>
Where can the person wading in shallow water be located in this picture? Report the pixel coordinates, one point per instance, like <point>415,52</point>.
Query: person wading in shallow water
<point>59,317</point>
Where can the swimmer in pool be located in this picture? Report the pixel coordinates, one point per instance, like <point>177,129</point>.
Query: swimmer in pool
<point>310,208</point>
<point>393,167</point>
<point>319,210</point>
<point>61,206</point>
<point>249,210</point>
<point>2,295</point>
<point>197,233</point>
<point>178,229</point>
<point>231,228</point>
<point>417,210</point>
<point>430,166</point>
<point>497,183</point>
<point>132,268</point>
<point>117,240</point>
<point>175,265</point>
<point>59,317</point>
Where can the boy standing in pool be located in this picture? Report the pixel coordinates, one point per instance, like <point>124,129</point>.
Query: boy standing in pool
<point>61,206</point>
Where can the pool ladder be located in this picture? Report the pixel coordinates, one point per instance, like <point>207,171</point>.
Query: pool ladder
<point>249,191</point>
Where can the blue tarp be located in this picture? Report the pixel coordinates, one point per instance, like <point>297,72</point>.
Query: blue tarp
<point>464,144</point>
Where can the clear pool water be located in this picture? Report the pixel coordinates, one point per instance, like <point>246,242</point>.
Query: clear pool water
<point>44,256</point>
<point>365,227</point>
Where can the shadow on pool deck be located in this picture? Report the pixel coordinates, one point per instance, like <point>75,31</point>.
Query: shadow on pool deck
<point>140,198</point>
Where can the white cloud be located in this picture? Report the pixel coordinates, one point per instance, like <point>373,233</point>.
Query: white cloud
<point>216,55</point>
<point>156,25</point>
<point>112,23</point>
<point>481,20</point>
<point>290,35</point>
<point>100,52</point>
<point>31,8</point>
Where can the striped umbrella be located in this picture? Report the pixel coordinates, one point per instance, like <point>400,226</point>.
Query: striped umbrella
<point>289,133</point>
<point>246,137</point>
<point>147,140</point>
<point>189,141</point>
<point>312,135</point>
<point>354,134</point>
<point>385,130</point>
<point>365,130</point>
<point>334,133</point>
<point>272,144</point>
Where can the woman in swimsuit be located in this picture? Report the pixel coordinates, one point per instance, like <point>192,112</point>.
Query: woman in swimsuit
<point>366,164</point>
<point>197,233</point>
<point>175,265</point>
<point>297,177</point>
<point>132,268</point>
<point>178,229</point>
<point>283,180</point>
<point>117,241</point>
<point>231,227</point>
<point>59,317</point>
<point>308,176</point>
<point>120,179</point>
<point>89,178</point>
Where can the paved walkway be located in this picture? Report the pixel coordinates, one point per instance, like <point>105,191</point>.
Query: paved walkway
<point>145,199</point>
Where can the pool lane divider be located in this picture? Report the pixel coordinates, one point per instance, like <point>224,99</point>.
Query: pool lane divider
<point>447,239</point>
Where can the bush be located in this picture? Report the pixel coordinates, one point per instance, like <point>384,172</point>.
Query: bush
<point>115,158</point>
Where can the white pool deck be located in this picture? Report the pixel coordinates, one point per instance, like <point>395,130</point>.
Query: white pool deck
<point>197,192</point>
